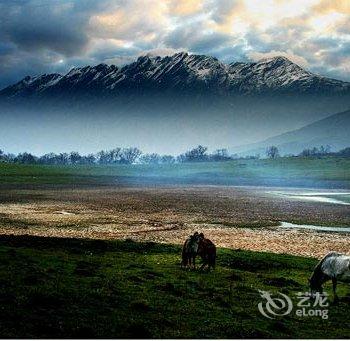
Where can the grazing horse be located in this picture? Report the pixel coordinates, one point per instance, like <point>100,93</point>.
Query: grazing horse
<point>334,266</point>
<point>207,251</point>
<point>189,250</point>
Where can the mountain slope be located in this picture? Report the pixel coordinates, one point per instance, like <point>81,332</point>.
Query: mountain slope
<point>332,131</point>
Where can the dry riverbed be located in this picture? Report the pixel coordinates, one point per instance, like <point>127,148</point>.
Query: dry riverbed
<point>233,217</point>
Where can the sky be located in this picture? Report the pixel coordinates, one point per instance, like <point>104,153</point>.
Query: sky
<point>46,36</point>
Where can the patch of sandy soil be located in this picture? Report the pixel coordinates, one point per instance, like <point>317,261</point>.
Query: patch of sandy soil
<point>275,240</point>
<point>230,217</point>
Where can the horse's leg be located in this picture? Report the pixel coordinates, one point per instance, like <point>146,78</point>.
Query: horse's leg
<point>211,266</point>
<point>203,264</point>
<point>334,282</point>
<point>212,262</point>
<point>186,262</point>
<point>194,262</point>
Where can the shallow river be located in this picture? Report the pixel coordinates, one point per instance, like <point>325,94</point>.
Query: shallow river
<point>285,224</point>
<point>339,198</point>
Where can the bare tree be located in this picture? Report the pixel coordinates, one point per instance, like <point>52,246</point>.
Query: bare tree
<point>25,158</point>
<point>153,158</point>
<point>305,153</point>
<point>181,158</point>
<point>74,158</point>
<point>9,157</point>
<point>114,155</point>
<point>130,155</point>
<point>102,157</point>
<point>220,155</point>
<point>325,149</point>
<point>48,159</point>
<point>88,159</point>
<point>272,152</point>
<point>196,154</point>
<point>63,158</point>
<point>167,159</point>
<point>344,152</point>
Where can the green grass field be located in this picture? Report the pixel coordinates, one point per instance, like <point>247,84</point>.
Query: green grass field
<point>79,288</point>
<point>70,288</point>
<point>284,171</point>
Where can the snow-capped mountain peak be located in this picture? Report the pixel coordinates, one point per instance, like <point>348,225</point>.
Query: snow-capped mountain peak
<point>183,72</point>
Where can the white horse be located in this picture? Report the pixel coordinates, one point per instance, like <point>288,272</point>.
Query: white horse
<point>334,266</point>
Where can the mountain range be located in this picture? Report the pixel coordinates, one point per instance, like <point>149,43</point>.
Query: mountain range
<point>181,72</point>
<point>166,104</point>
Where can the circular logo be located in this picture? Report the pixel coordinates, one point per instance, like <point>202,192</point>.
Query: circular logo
<point>274,306</point>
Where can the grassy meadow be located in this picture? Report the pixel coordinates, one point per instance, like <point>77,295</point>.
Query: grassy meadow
<point>81,288</point>
<point>310,172</point>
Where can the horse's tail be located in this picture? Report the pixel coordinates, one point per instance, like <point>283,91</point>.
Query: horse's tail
<point>212,256</point>
<point>213,260</point>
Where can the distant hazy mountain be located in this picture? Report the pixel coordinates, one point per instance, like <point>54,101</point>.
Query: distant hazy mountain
<point>165,104</point>
<point>333,131</point>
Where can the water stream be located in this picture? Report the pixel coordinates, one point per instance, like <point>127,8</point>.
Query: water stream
<point>287,225</point>
<point>339,198</point>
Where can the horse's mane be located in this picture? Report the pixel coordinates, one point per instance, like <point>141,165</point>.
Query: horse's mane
<point>330,254</point>
<point>317,269</point>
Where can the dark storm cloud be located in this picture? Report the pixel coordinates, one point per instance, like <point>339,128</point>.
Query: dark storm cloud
<point>6,48</point>
<point>34,25</point>
<point>35,36</point>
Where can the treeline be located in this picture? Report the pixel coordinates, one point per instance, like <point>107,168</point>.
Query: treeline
<point>117,156</point>
<point>134,155</point>
<point>273,152</point>
<point>114,156</point>
<point>323,151</point>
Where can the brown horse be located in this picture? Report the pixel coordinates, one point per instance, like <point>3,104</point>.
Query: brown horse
<point>207,251</point>
<point>189,251</point>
